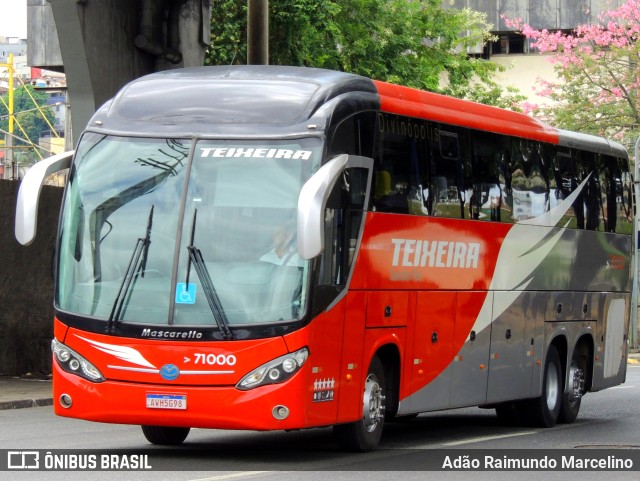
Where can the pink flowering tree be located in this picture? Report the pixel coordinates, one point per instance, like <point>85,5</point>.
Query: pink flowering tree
<point>598,69</point>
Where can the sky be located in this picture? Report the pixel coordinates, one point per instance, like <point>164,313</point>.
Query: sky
<point>13,18</point>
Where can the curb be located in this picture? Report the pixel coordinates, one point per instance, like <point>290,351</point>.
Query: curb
<point>26,403</point>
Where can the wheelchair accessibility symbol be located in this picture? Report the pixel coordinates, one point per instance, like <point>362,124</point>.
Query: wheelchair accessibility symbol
<point>185,294</point>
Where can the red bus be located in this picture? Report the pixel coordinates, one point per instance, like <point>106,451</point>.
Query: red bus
<point>274,248</point>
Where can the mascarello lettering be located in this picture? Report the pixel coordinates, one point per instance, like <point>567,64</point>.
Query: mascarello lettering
<point>171,334</point>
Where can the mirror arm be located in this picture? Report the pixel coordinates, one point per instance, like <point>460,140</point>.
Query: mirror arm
<point>313,201</point>
<point>29,194</point>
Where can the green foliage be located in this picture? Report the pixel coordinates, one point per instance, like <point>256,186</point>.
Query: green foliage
<point>598,74</point>
<point>28,123</point>
<point>413,43</point>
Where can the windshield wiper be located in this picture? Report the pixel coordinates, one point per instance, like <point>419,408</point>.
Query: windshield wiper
<point>195,258</point>
<point>136,267</point>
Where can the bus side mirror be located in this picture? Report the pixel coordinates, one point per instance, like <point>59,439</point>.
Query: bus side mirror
<point>29,194</point>
<point>313,201</point>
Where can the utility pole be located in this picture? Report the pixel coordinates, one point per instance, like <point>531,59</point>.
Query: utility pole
<point>633,335</point>
<point>258,32</point>
<point>8,157</point>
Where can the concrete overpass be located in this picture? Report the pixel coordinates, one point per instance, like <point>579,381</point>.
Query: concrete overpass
<point>102,44</point>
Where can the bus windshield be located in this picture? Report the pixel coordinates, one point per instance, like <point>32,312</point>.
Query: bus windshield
<point>184,232</point>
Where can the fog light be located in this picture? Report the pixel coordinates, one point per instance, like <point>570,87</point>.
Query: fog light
<point>280,412</point>
<point>65,401</point>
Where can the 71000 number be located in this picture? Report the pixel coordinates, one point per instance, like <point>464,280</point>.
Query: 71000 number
<point>215,359</point>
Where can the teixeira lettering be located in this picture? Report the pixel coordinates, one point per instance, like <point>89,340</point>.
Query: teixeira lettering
<point>254,153</point>
<point>439,254</point>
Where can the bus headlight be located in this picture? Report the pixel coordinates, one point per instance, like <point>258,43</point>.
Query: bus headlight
<point>74,363</point>
<point>276,371</point>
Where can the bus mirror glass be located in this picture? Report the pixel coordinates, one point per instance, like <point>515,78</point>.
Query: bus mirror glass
<point>29,194</point>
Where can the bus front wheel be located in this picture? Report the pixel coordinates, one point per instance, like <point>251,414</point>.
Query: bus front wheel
<point>165,436</point>
<point>364,434</point>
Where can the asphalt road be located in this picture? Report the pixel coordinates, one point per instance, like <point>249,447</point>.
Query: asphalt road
<point>609,420</point>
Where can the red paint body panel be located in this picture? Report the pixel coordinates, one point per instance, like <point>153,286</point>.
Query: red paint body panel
<point>352,367</point>
<point>59,330</point>
<point>376,269</point>
<point>323,365</point>
<point>207,406</point>
<point>387,309</point>
<point>430,288</point>
<point>433,340</point>
<point>185,355</point>
<point>439,108</point>
<point>121,398</point>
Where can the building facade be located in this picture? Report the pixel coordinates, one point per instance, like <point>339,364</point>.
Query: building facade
<point>524,66</point>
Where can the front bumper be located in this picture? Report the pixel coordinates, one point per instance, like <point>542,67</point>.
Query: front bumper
<point>219,407</point>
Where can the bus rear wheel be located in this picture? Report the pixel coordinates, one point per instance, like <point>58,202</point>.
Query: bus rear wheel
<point>364,434</point>
<point>572,398</point>
<point>164,435</point>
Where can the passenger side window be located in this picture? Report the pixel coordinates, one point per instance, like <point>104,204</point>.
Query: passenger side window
<point>615,190</point>
<point>400,172</point>
<point>485,201</point>
<point>530,179</point>
<point>448,171</point>
<point>570,168</point>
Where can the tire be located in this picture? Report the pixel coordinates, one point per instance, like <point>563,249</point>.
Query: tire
<point>545,410</point>
<point>165,436</point>
<point>364,434</point>
<point>571,400</point>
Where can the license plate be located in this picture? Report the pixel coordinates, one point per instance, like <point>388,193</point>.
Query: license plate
<point>166,401</point>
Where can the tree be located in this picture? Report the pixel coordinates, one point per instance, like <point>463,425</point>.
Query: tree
<point>598,71</point>
<point>414,43</point>
<point>29,122</point>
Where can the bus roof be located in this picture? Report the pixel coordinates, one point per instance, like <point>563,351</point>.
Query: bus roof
<point>440,108</point>
<point>188,101</point>
<point>231,95</point>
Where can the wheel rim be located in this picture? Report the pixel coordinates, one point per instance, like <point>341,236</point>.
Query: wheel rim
<point>552,387</point>
<point>576,378</point>
<point>373,403</point>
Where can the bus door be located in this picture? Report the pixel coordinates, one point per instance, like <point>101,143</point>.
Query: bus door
<point>470,366</point>
<point>432,351</point>
<point>516,344</point>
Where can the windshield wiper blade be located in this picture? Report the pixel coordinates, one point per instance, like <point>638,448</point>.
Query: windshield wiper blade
<point>196,259</point>
<point>137,265</point>
<point>146,243</point>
